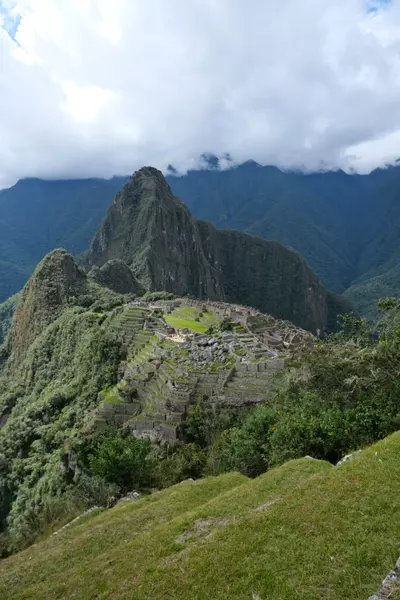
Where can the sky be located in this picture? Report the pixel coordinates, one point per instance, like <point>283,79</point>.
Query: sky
<point>98,88</point>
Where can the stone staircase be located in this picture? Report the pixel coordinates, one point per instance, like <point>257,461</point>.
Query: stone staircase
<point>130,322</point>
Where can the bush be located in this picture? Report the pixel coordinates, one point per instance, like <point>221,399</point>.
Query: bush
<point>177,463</point>
<point>123,460</point>
<point>244,448</point>
<point>52,514</point>
<point>94,491</point>
<point>48,398</point>
<point>4,545</point>
<point>204,421</point>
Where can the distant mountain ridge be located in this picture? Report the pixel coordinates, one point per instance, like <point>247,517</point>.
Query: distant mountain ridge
<point>347,227</point>
<point>154,233</point>
<point>37,216</point>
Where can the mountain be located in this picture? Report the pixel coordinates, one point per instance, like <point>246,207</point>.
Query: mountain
<point>78,357</point>
<point>117,276</point>
<point>167,249</point>
<point>367,292</point>
<point>345,226</point>
<point>314,214</point>
<point>56,280</point>
<point>37,216</point>
<point>107,396</point>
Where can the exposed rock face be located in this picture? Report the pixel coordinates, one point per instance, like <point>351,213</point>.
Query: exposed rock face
<point>116,275</point>
<point>390,588</point>
<point>56,280</point>
<point>151,230</point>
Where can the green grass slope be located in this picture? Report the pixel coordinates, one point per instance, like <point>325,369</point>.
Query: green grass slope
<point>305,530</point>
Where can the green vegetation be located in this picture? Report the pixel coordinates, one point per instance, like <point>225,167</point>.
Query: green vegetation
<point>116,275</point>
<point>49,399</point>
<point>341,395</point>
<point>301,531</point>
<point>121,460</point>
<point>345,226</point>
<point>184,323</point>
<point>193,319</point>
<point>61,351</point>
<point>65,213</point>
<point>110,396</point>
<point>7,310</point>
<point>79,359</point>
<point>154,296</point>
<point>365,294</point>
<point>58,456</point>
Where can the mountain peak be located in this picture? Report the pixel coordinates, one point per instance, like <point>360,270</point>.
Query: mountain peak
<point>167,249</point>
<point>147,186</point>
<point>150,183</point>
<point>56,279</point>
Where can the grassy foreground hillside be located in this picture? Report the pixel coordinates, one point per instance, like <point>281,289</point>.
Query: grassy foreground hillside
<point>305,530</point>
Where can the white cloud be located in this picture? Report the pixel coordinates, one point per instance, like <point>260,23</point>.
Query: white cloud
<point>85,103</point>
<point>94,88</point>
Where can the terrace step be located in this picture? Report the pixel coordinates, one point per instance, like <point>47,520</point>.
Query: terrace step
<point>251,388</point>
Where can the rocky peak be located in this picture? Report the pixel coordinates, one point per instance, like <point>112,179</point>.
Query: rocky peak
<point>154,233</point>
<point>146,186</point>
<point>167,249</point>
<point>55,282</point>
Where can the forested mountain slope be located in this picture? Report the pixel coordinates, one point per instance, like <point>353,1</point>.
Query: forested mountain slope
<point>37,216</point>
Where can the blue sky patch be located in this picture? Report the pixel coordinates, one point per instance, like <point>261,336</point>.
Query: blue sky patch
<point>10,20</point>
<point>374,6</point>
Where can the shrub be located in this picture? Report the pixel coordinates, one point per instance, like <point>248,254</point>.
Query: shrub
<point>204,421</point>
<point>122,460</point>
<point>94,491</point>
<point>52,513</point>
<point>177,463</point>
<point>244,448</point>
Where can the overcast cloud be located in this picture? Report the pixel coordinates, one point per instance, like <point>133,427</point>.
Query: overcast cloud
<point>102,87</point>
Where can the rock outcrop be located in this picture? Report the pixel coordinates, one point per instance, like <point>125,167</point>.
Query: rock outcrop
<point>390,588</point>
<point>167,249</point>
<point>154,233</point>
<point>56,282</point>
<point>116,275</point>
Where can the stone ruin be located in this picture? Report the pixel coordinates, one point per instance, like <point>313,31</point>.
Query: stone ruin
<point>167,370</point>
